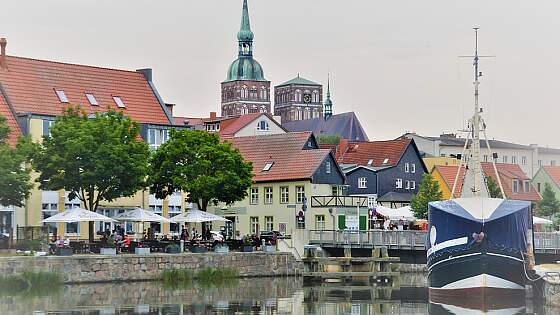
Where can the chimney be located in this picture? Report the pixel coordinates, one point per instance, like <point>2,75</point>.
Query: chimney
<point>212,115</point>
<point>342,146</point>
<point>3,43</point>
<point>170,108</point>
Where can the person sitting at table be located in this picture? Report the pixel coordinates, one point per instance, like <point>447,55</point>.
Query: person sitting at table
<point>165,238</point>
<point>126,241</point>
<point>207,235</point>
<point>66,242</point>
<point>184,234</point>
<point>59,242</point>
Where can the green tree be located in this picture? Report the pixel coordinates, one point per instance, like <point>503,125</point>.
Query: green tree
<point>94,157</point>
<point>493,189</point>
<point>197,163</point>
<point>15,183</point>
<point>549,205</point>
<point>326,139</point>
<point>429,191</point>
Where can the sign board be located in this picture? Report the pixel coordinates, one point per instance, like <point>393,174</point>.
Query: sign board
<point>291,206</point>
<point>353,222</point>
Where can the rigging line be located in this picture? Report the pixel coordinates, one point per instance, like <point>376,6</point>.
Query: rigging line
<point>460,165</point>
<point>494,164</point>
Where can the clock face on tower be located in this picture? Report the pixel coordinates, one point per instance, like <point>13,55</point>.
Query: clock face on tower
<point>307,98</point>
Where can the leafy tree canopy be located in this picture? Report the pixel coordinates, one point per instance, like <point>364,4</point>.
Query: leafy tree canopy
<point>429,191</point>
<point>549,205</point>
<point>493,189</point>
<point>94,157</point>
<point>197,163</point>
<point>14,173</point>
<point>326,139</point>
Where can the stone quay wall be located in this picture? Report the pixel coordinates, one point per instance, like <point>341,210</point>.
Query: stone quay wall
<point>99,268</point>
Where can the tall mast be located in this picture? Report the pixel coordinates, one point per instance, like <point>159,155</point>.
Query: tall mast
<point>476,124</point>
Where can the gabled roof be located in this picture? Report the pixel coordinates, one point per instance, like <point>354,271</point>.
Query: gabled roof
<point>377,152</point>
<point>30,85</point>
<point>191,121</point>
<point>509,172</point>
<point>299,81</point>
<point>231,126</point>
<point>5,111</point>
<point>448,174</point>
<point>554,173</point>
<point>285,151</point>
<point>346,125</point>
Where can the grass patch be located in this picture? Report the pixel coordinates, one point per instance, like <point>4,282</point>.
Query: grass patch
<point>30,283</point>
<point>207,277</point>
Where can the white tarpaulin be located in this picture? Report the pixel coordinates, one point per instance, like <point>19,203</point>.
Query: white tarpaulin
<point>77,215</point>
<point>537,220</point>
<point>196,216</point>
<point>140,215</point>
<point>395,214</point>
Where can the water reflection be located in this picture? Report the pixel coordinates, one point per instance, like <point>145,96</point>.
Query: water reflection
<point>248,296</point>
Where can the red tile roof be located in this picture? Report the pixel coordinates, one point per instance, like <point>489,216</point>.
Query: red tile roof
<point>448,174</point>
<point>10,120</point>
<point>554,173</point>
<point>180,121</point>
<point>291,161</point>
<point>362,152</point>
<point>509,172</point>
<point>229,127</point>
<point>30,85</point>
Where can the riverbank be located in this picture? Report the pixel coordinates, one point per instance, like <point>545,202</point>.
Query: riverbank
<point>122,268</point>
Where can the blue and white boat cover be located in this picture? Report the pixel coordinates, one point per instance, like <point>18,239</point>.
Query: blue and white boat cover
<point>454,222</point>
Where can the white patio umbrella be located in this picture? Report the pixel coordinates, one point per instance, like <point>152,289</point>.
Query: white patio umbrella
<point>140,215</point>
<point>537,220</point>
<point>77,215</point>
<point>196,216</point>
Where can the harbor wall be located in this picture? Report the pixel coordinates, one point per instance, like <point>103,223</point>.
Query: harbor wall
<point>99,268</point>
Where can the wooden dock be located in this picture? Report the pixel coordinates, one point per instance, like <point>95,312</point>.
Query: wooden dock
<point>376,268</point>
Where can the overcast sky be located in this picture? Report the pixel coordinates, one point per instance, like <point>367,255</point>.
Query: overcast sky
<point>392,62</point>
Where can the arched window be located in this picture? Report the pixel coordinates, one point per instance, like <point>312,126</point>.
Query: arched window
<point>244,92</point>
<point>244,110</point>
<point>315,97</point>
<point>263,93</point>
<point>298,96</point>
<point>263,109</point>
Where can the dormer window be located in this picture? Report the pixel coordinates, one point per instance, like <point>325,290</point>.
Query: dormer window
<point>119,102</point>
<point>386,161</point>
<point>268,166</point>
<point>61,96</point>
<point>92,99</point>
<point>263,126</point>
<point>370,162</point>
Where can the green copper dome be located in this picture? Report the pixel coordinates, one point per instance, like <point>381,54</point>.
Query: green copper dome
<point>245,68</point>
<point>245,34</point>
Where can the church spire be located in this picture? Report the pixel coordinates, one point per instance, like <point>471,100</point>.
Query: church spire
<point>328,102</point>
<point>245,35</point>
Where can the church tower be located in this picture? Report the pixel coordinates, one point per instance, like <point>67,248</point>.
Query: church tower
<point>328,101</point>
<point>245,89</point>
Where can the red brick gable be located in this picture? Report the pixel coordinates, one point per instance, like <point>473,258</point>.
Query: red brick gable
<point>30,85</point>
<point>285,151</point>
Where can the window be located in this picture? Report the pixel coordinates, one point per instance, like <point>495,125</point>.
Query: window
<point>300,194</point>
<point>254,195</point>
<point>328,167</point>
<point>254,222</point>
<point>362,182</point>
<point>173,211</point>
<point>269,223</point>
<point>407,186</point>
<point>370,162</point>
<point>485,158</point>
<point>526,186</point>
<point>371,202</point>
<point>268,166</point>
<point>119,102</point>
<point>47,211</point>
<point>386,161</point>
<point>47,124</point>
<point>399,183</point>
<point>61,96</point>
<point>91,99</point>
<point>72,228</point>
<point>157,137</point>
<point>412,184</point>
<point>513,160</point>
<point>320,222</point>
<point>263,93</point>
<point>515,186</point>
<point>263,126</point>
<point>539,187</point>
<point>284,194</point>
<point>504,159</point>
<point>407,168</point>
<point>523,160</point>
<point>413,168</point>
<point>268,195</point>
<point>334,190</point>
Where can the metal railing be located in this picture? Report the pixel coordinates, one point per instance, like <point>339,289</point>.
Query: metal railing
<point>412,240</point>
<point>545,242</point>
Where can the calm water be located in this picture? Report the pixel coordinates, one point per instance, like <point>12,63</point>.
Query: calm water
<point>247,296</point>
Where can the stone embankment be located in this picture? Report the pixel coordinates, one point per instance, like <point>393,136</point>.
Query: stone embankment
<point>97,268</point>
